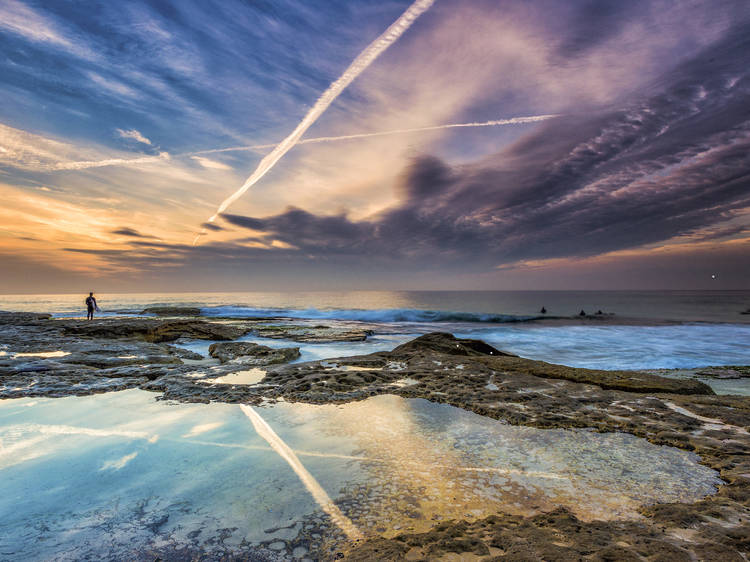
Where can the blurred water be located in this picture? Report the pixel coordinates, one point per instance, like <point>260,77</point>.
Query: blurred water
<point>625,347</point>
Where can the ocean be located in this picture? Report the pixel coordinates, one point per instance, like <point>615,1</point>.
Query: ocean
<point>637,330</point>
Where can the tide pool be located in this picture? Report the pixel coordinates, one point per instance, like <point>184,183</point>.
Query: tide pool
<point>124,476</point>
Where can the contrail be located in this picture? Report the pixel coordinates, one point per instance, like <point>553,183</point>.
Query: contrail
<point>83,164</point>
<point>493,123</point>
<point>363,60</point>
<point>315,489</point>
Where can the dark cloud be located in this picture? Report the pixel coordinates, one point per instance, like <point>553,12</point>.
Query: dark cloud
<point>729,232</point>
<point>211,226</point>
<point>671,161</point>
<point>130,232</point>
<point>592,22</point>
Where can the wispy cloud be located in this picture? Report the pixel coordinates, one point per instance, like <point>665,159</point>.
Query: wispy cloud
<point>84,164</point>
<point>129,232</point>
<point>662,166</point>
<point>363,60</point>
<point>212,164</point>
<point>133,134</point>
<point>18,18</point>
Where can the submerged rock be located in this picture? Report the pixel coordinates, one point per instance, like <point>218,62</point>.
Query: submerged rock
<point>252,353</point>
<point>441,342</point>
<point>311,334</point>
<point>725,372</point>
<point>22,318</point>
<point>172,311</point>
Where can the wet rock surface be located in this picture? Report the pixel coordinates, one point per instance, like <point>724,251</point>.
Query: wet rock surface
<point>114,354</point>
<point>154,330</point>
<point>728,372</point>
<point>252,353</point>
<point>172,311</point>
<point>311,334</point>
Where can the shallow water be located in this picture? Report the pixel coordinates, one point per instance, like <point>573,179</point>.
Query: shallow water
<point>682,346</point>
<point>117,474</point>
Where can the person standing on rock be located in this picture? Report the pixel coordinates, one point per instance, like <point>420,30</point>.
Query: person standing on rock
<point>91,306</point>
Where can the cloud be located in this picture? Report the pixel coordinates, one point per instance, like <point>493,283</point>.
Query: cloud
<point>130,232</point>
<point>358,65</point>
<point>133,134</point>
<point>211,164</point>
<point>670,162</point>
<point>643,153</point>
<point>22,20</point>
<point>113,86</point>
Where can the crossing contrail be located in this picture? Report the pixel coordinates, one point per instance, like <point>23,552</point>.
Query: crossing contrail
<point>491,123</point>
<point>363,60</point>
<point>164,156</point>
<point>316,490</point>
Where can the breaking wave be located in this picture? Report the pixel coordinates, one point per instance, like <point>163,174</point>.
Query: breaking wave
<point>364,315</point>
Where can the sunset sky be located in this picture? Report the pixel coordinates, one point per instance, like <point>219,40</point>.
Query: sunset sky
<point>633,171</point>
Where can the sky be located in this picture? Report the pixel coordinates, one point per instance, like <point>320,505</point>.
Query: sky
<point>603,145</point>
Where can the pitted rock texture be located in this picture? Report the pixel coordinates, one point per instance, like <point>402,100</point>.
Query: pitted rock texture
<point>252,353</point>
<point>172,311</point>
<point>444,369</point>
<point>154,329</point>
<point>312,333</point>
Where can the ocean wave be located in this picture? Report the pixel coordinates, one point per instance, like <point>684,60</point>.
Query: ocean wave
<point>387,315</point>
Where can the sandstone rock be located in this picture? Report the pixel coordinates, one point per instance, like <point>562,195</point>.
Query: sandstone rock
<point>22,318</point>
<point>172,311</point>
<point>312,334</point>
<point>154,329</point>
<point>473,376</point>
<point>441,342</point>
<point>252,353</point>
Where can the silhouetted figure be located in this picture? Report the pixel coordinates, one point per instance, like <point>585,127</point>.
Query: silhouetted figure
<point>599,313</point>
<point>582,313</point>
<point>543,311</point>
<point>91,306</point>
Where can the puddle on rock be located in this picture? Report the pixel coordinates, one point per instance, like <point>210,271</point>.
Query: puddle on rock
<point>400,383</point>
<point>42,354</point>
<point>251,376</point>
<point>117,474</point>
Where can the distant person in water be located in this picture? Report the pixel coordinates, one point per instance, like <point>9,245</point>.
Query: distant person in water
<point>582,313</point>
<point>543,311</point>
<point>91,306</point>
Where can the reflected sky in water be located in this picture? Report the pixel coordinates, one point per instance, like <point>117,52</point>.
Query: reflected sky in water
<point>122,473</point>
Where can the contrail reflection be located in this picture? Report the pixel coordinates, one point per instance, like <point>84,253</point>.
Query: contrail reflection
<point>315,489</point>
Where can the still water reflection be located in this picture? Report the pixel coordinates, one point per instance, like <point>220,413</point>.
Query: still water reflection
<point>120,475</point>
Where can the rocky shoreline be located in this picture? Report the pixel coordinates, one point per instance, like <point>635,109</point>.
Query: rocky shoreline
<point>41,356</point>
